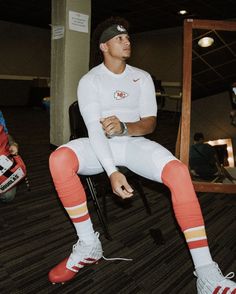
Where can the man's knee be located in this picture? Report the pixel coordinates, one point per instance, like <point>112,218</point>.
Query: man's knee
<point>176,177</point>
<point>63,161</point>
<point>57,157</point>
<point>175,170</point>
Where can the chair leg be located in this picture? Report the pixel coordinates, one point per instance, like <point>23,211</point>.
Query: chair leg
<point>104,205</point>
<point>143,196</point>
<point>27,183</point>
<point>97,208</point>
<point>227,175</point>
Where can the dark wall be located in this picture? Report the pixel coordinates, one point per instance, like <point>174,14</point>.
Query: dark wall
<point>24,55</point>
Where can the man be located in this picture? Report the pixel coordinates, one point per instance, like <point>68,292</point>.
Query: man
<point>232,116</point>
<point>8,147</point>
<point>202,158</point>
<point>118,105</point>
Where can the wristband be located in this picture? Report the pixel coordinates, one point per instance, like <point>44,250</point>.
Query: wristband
<point>124,129</point>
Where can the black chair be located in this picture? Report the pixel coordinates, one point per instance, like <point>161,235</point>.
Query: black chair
<point>79,130</point>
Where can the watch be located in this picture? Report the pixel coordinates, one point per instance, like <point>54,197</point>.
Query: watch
<point>124,128</point>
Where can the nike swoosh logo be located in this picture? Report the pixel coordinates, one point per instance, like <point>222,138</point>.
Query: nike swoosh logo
<point>135,80</point>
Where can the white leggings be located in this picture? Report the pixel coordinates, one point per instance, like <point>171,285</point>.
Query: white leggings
<point>144,157</point>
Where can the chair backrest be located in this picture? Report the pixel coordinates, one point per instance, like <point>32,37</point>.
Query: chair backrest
<point>77,126</point>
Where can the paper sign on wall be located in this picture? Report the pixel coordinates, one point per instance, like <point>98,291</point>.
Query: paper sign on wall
<point>78,22</point>
<point>57,32</point>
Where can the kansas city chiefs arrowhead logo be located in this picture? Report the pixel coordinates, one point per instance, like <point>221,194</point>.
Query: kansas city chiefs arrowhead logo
<point>118,95</point>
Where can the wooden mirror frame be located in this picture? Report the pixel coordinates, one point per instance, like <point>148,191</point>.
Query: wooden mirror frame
<point>184,131</point>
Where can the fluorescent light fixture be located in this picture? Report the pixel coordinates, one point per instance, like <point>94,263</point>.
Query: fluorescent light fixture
<point>206,42</point>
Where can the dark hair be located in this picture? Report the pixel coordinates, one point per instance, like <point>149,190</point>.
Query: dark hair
<point>198,136</point>
<point>96,56</point>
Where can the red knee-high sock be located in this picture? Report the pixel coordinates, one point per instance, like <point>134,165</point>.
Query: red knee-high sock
<point>187,210</point>
<point>64,166</point>
<point>186,207</point>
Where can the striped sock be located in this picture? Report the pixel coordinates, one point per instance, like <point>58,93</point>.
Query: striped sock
<point>80,217</point>
<point>71,192</point>
<point>78,213</point>
<point>198,246</point>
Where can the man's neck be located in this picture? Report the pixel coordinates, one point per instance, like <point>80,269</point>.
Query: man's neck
<point>115,66</point>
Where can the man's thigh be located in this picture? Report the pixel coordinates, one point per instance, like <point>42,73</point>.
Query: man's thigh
<point>147,158</point>
<point>88,162</point>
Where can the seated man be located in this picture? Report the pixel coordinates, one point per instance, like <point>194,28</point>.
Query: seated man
<point>11,170</point>
<point>118,104</point>
<point>202,158</point>
<point>233,117</point>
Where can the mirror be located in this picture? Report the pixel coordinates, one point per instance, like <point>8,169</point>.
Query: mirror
<point>193,28</point>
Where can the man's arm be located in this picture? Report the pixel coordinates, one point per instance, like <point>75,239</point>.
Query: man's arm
<point>113,127</point>
<point>13,145</point>
<point>144,126</point>
<point>90,110</point>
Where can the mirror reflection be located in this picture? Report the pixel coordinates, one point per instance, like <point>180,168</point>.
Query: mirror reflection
<point>213,108</point>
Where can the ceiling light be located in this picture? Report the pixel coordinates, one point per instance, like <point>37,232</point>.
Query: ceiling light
<point>205,42</point>
<point>182,12</point>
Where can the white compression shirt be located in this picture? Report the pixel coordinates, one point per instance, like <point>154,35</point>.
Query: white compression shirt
<point>101,93</point>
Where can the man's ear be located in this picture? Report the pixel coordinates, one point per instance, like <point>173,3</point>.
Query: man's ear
<point>103,47</point>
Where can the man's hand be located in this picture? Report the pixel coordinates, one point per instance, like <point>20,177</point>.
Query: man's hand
<point>111,126</point>
<point>120,185</point>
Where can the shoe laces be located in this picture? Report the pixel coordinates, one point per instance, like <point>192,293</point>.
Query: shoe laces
<point>220,274</point>
<point>116,258</point>
<point>229,276</point>
<point>216,276</point>
<point>81,248</point>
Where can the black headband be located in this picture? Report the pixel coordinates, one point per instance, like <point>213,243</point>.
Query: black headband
<point>111,32</point>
